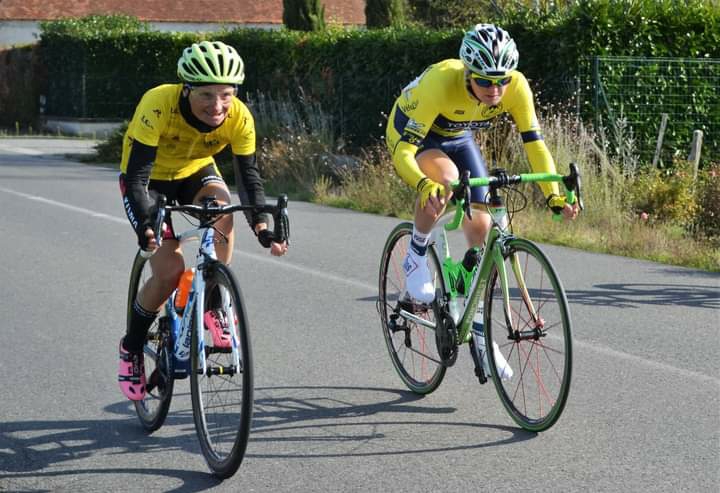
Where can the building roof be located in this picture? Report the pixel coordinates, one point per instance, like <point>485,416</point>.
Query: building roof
<point>196,11</point>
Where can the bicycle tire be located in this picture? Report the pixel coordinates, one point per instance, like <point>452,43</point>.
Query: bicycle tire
<point>411,346</point>
<point>536,394</point>
<point>222,400</point>
<point>153,409</point>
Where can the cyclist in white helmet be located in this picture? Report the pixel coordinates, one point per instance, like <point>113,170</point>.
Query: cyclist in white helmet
<point>429,134</point>
<point>168,148</point>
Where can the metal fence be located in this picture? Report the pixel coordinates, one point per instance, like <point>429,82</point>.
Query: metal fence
<point>639,91</point>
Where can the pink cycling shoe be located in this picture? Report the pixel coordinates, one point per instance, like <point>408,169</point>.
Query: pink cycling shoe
<point>216,322</point>
<point>131,374</point>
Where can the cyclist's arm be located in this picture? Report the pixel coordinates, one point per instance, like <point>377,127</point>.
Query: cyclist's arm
<point>419,104</point>
<point>250,188</point>
<point>137,177</point>
<point>522,110</point>
<point>405,163</point>
<point>541,161</point>
<point>405,150</point>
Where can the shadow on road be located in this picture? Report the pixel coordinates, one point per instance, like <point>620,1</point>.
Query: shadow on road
<point>353,421</point>
<point>637,295</point>
<point>289,422</point>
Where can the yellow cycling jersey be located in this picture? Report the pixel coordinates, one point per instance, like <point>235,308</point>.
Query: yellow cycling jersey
<point>440,101</point>
<point>181,149</point>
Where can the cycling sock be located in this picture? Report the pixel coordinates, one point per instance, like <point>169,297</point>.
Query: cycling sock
<point>140,322</point>
<point>419,242</point>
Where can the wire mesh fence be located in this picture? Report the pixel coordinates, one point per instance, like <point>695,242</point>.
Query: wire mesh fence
<point>638,92</point>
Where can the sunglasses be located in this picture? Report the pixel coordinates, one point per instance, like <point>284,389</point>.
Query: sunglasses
<point>485,82</point>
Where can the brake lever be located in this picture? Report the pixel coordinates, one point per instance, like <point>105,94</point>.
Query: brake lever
<point>464,189</point>
<point>160,203</point>
<point>574,182</point>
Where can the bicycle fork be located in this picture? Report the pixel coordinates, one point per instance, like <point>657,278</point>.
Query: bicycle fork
<point>538,324</point>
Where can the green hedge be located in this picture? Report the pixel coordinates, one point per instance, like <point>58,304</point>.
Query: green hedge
<point>563,46</point>
<point>356,74</point>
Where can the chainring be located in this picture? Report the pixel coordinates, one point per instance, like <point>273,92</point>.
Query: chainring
<point>445,334</point>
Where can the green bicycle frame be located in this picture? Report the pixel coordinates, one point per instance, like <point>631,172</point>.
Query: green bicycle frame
<point>495,245</point>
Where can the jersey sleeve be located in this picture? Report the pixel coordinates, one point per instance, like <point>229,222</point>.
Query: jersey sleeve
<point>523,113</point>
<point>243,138</point>
<point>419,105</point>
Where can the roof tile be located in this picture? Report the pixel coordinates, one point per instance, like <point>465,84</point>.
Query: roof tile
<point>232,12</point>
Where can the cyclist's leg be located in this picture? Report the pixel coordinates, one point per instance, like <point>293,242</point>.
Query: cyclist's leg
<point>466,155</point>
<point>437,166</point>
<point>166,265</point>
<point>166,268</point>
<point>208,182</point>
<point>224,243</point>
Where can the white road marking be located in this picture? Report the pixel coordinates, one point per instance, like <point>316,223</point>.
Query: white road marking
<point>371,288</point>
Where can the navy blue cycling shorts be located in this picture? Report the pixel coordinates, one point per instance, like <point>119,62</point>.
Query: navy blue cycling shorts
<point>465,153</point>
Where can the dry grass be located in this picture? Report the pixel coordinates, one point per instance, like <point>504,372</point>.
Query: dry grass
<point>611,222</point>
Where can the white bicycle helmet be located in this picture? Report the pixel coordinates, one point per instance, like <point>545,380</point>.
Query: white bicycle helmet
<point>211,62</point>
<point>489,51</point>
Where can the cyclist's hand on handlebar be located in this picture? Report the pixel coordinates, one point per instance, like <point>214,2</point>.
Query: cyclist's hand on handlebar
<point>559,205</point>
<point>267,239</point>
<point>148,242</point>
<point>571,211</point>
<point>431,193</point>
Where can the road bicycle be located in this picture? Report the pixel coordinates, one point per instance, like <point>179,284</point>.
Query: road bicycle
<point>507,297</point>
<point>178,346</point>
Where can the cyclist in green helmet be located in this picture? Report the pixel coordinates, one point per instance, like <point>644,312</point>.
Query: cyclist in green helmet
<point>168,149</point>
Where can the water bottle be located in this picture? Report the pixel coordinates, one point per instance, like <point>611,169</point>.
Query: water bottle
<point>183,289</point>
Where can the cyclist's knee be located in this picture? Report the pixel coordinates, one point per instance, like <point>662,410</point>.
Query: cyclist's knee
<point>218,190</point>
<point>437,166</point>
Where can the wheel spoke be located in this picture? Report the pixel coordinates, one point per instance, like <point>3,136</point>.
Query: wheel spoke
<point>539,349</point>
<point>411,346</point>
<point>222,395</point>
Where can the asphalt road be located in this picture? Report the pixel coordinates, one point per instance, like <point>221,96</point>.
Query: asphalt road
<point>330,412</point>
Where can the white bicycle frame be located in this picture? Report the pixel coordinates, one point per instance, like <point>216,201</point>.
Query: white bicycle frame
<point>196,301</point>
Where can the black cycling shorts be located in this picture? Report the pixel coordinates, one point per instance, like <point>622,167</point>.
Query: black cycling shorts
<point>181,191</point>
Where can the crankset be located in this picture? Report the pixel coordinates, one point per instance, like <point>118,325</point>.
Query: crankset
<point>445,334</point>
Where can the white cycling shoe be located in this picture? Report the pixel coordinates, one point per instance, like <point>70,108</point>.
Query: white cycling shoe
<point>418,281</point>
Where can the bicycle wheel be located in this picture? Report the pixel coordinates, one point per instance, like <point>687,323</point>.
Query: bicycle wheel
<point>222,395</point>
<point>533,337</point>
<point>153,409</point>
<point>411,346</point>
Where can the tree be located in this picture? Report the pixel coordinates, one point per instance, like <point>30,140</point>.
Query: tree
<point>385,13</point>
<point>304,15</point>
<point>453,13</point>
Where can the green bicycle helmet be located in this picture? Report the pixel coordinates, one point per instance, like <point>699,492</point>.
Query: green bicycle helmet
<point>489,51</point>
<point>211,62</point>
